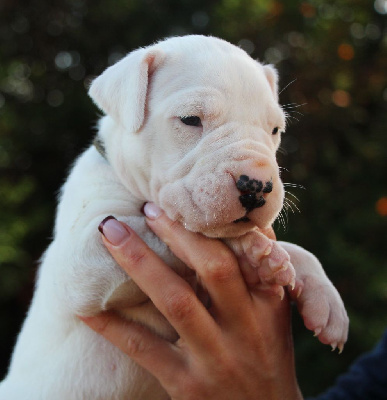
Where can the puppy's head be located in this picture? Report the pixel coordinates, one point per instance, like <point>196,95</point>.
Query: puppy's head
<point>194,125</point>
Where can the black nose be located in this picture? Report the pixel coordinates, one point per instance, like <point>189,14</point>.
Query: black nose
<point>251,190</point>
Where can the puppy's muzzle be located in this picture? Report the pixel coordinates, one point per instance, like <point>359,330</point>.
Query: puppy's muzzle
<point>252,191</point>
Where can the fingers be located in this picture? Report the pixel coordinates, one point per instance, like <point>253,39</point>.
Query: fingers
<point>213,261</point>
<point>139,343</point>
<point>172,296</point>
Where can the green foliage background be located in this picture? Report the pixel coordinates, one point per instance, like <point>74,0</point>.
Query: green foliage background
<point>333,51</point>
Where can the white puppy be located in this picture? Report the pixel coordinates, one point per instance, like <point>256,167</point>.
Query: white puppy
<point>193,124</point>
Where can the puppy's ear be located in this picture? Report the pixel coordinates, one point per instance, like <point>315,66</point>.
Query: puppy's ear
<point>272,76</point>
<point>121,90</point>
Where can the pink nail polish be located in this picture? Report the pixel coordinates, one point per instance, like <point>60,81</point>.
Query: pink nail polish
<point>113,230</point>
<point>152,211</point>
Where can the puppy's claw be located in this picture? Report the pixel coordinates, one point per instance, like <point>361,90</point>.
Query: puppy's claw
<point>267,250</point>
<point>285,266</point>
<point>279,291</point>
<point>258,254</point>
<point>273,290</point>
<point>276,267</point>
<point>334,346</point>
<point>341,347</point>
<point>317,332</point>
<point>299,291</point>
<point>292,284</point>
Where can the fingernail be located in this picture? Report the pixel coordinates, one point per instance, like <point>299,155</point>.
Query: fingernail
<point>113,231</point>
<point>152,211</point>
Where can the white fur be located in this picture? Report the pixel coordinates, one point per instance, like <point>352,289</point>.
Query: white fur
<point>151,156</point>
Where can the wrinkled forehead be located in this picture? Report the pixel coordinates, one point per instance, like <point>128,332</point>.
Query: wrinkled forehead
<point>230,80</point>
<point>228,71</point>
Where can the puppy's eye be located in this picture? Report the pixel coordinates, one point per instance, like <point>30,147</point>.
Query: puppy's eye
<point>275,130</point>
<point>191,120</point>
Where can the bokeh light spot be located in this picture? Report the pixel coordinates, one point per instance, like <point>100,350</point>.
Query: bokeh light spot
<point>341,98</point>
<point>380,6</point>
<point>346,52</point>
<point>381,206</point>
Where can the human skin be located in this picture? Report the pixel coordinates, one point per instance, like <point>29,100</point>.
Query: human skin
<point>240,348</point>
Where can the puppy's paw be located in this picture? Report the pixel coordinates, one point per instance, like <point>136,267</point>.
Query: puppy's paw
<point>265,261</point>
<point>317,299</point>
<point>322,310</point>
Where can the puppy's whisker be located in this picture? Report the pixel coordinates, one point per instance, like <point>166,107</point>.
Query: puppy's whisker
<point>293,195</point>
<point>293,204</point>
<point>281,150</point>
<point>295,198</point>
<point>280,221</point>
<point>291,114</point>
<point>289,110</point>
<point>293,105</point>
<point>281,169</point>
<point>293,185</point>
<point>288,116</point>
<point>284,220</point>
<point>287,85</point>
<point>290,104</point>
<point>296,112</point>
<point>285,215</point>
<point>287,206</point>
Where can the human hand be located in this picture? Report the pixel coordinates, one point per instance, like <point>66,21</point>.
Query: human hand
<point>240,348</point>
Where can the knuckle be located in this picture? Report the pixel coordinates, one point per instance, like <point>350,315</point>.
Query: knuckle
<point>185,384</point>
<point>221,268</point>
<point>172,231</point>
<point>135,346</point>
<point>135,258</point>
<point>180,305</point>
<point>102,323</point>
<point>173,225</point>
<point>134,255</point>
